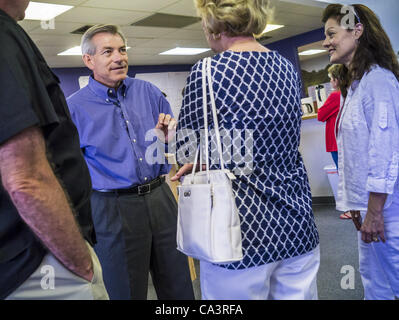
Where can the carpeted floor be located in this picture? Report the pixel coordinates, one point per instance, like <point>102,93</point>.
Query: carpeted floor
<point>338,277</point>
<point>338,253</point>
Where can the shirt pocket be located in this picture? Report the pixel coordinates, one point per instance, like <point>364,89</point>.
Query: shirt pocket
<point>353,116</point>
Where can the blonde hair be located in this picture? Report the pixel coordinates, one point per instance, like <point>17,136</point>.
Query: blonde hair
<point>335,71</point>
<point>234,17</point>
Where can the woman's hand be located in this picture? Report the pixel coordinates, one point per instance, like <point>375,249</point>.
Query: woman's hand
<point>187,168</point>
<point>373,226</point>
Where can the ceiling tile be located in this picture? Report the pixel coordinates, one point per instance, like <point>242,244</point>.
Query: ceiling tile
<point>140,5</point>
<point>146,43</point>
<point>195,26</point>
<point>173,43</point>
<point>186,35</point>
<point>29,25</point>
<point>64,2</point>
<point>163,20</point>
<point>44,40</point>
<point>146,32</point>
<point>61,28</point>
<point>182,7</point>
<point>95,15</point>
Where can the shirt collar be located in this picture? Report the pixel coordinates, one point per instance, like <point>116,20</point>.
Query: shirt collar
<point>105,93</point>
<point>6,15</point>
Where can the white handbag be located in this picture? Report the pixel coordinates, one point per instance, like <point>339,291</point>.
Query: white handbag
<point>208,222</point>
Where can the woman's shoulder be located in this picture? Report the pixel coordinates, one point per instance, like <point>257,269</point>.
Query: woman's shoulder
<point>269,60</point>
<point>378,80</point>
<point>378,73</point>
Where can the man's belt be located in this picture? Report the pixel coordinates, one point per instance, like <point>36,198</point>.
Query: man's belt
<point>140,190</point>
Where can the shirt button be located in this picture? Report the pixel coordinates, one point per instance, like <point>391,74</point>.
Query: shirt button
<point>145,178</point>
<point>127,121</point>
<point>141,159</point>
<point>134,140</point>
<point>107,100</point>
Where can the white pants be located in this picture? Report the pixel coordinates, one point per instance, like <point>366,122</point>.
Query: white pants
<point>52,281</point>
<point>379,262</point>
<point>290,279</point>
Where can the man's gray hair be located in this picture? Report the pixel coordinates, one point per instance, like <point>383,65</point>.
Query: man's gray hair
<point>86,44</point>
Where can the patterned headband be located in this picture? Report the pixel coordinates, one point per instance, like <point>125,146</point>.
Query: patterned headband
<point>355,13</point>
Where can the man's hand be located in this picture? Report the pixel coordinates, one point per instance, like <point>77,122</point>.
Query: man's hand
<point>373,226</point>
<point>166,128</point>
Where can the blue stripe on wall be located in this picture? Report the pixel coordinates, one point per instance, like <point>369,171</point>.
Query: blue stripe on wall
<point>69,77</point>
<point>287,48</point>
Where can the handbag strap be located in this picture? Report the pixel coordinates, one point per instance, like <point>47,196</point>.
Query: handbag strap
<point>214,114</point>
<point>206,75</point>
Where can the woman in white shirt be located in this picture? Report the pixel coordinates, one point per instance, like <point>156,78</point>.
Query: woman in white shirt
<point>368,140</point>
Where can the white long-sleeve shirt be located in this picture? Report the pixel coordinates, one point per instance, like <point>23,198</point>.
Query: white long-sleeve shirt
<point>368,141</point>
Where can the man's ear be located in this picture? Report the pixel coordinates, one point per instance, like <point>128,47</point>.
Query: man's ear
<point>88,61</point>
<point>359,28</point>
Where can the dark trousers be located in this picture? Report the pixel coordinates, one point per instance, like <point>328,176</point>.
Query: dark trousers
<point>137,235</point>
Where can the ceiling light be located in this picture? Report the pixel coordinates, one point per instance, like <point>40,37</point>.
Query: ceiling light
<point>311,52</point>
<point>75,51</point>
<point>44,11</point>
<point>271,27</point>
<point>185,51</point>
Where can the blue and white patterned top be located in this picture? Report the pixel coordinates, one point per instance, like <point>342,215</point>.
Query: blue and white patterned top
<point>258,95</point>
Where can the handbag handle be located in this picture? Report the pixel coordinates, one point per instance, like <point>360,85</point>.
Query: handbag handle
<point>214,114</point>
<point>206,74</point>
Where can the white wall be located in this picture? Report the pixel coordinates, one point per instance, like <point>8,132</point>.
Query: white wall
<point>313,151</point>
<point>312,147</point>
<point>172,83</point>
<point>388,12</point>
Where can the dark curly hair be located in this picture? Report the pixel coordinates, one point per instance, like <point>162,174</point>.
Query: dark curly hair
<point>374,44</point>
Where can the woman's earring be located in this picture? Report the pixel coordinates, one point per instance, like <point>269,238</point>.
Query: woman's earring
<point>216,36</point>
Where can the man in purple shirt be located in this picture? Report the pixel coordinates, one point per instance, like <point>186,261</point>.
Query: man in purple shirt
<point>134,211</point>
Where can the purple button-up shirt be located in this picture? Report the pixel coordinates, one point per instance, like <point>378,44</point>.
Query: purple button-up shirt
<point>116,132</point>
<point>368,141</point>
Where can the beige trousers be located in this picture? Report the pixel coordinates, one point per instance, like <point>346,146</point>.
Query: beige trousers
<point>52,281</point>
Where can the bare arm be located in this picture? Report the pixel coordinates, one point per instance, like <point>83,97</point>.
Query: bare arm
<point>40,200</point>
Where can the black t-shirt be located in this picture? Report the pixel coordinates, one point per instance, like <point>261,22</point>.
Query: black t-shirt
<point>30,96</point>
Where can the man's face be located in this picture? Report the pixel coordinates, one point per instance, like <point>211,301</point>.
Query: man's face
<point>110,62</point>
<point>16,8</point>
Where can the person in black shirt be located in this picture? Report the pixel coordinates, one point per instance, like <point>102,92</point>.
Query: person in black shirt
<point>46,227</point>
